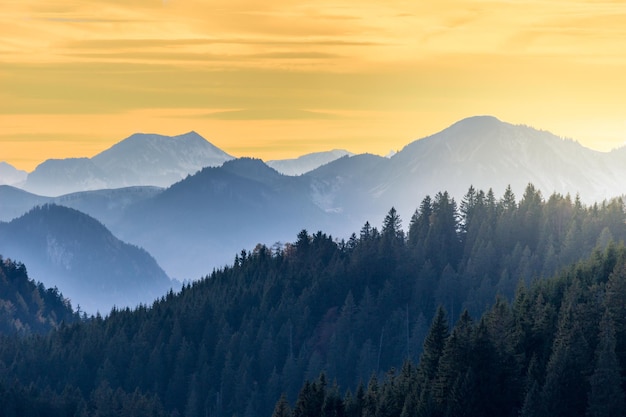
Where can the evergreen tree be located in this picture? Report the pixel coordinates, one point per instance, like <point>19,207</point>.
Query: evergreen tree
<point>433,347</point>
<point>282,408</point>
<point>606,397</point>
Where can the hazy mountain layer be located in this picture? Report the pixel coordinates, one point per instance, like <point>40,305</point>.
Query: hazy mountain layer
<point>14,202</point>
<point>202,221</point>
<point>306,163</point>
<point>149,159</point>
<point>141,159</point>
<point>74,252</point>
<point>198,223</point>
<point>9,175</point>
<point>232,343</point>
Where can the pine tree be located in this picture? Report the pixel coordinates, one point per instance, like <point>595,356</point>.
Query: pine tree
<point>282,408</point>
<point>433,347</point>
<point>454,361</point>
<point>606,397</point>
<point>392,226</point>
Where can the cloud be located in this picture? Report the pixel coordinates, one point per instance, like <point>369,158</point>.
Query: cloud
<point>169,42</point>
<point>81,20</point>
<point>268,114</point>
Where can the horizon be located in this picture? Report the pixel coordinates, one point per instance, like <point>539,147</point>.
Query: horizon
<point>295,156</point>
<point>285,79</point>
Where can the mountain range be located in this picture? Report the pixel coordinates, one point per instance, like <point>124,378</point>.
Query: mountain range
<point>203,220</point>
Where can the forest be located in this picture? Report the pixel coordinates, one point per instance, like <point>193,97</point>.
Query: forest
<point>28,307</point>
<point>489,307</point>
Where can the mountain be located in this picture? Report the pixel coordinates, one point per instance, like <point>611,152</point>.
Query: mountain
<point>344,186</point>
<point>199,222</point>
<point>108,205</point>
<point>202,221</point>
<point>9,175</point>
<point>150,159</point>
<point>28,307</point>
<point>67,249</point>
<point>139,160</point>
<point>233,342</point>
<point>14,202</point>
<point>484,152</point>
<point>306,163</point>
<point>61,176</point>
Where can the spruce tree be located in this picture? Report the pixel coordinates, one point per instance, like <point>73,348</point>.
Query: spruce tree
<point>606,397</point>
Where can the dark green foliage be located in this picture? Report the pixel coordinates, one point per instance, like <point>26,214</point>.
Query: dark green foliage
<point>606,397</point>
<point>233,342</point>
<point>26,306</point>
<point>479,372</point>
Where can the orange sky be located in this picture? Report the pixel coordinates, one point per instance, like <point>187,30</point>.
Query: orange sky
<point>282,78</point>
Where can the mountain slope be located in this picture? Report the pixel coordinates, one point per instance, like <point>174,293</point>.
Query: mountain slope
<point>230,344</point>
<point>72,251</point>
<point>9,175</point>
<point>150,159</point>
<point>27,307</point>
<point>484,152</point>
<point>14,202</point>
<point>200,222</point>
<point>343,186</point>
<point>108,205</point>
<point>306,163</point>
<point>61,176</point>
<point>141,159</point>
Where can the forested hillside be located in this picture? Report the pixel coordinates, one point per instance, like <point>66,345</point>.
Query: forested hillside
<point>65,248</point>
<point>28,307</point>
<point>233,342</point>
<point>559,349</point>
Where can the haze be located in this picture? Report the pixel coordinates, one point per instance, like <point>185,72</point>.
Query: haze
<point>284,78</point>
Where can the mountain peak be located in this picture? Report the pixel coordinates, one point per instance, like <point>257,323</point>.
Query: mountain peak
<point>251,168</point>
<point>476,123</point>
<point>10,175</point>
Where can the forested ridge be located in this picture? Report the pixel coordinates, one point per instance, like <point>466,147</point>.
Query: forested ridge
<point>233,342</point>
<point>28,307</point>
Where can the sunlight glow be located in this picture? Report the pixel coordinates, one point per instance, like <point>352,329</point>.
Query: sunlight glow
<point>292,77</point>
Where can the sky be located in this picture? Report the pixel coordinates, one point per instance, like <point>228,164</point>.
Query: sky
<point>278,79</point>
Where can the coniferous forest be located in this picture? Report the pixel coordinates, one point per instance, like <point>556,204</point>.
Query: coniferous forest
<point>489,307</point>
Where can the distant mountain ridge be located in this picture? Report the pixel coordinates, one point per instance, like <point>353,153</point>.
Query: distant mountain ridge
<point>74,252</point>
<point>201,221</point>
<point>9,175</point>
<point>487,153</point>
<point>306,163</point>
<point>141,159</point>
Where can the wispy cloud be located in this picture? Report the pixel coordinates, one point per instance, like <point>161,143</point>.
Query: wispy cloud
<point>268,114</point>
<point>546,63</point>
